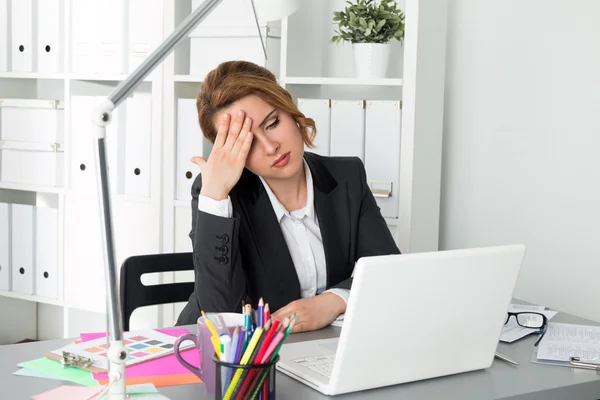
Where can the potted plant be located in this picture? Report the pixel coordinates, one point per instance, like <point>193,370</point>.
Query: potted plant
<point>370,26</point>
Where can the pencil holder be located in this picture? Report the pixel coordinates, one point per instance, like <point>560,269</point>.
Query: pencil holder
<point>245,382</point>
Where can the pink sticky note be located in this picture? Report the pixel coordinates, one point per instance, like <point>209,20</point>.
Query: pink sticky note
<point>167,365</point>
<point>69,392</point>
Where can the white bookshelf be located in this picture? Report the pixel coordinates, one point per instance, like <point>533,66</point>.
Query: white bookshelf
<point>31,188</point>
<point>342,81</point>
<point>29,297</point>
<point>308,66</point>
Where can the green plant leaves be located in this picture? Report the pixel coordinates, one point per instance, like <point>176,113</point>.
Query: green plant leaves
<point>364,21</point>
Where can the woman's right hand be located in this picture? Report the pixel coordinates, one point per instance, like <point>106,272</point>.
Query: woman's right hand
<point>227,159</point>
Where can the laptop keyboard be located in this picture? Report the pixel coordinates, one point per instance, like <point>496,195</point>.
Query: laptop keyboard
<point>321,364</point>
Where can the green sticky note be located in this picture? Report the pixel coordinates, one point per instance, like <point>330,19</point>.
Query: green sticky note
<point>143,388</point>
<point>56,370</point>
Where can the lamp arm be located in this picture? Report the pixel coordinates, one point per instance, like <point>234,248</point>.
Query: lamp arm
<point>117,352</point>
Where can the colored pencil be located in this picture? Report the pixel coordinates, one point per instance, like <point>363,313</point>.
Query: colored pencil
<point>268,356</point>
<point>246,373</point>
<point>214,335</point>
<point>247,354</point>
<point>249,378</point>
<point>247,324</point>
<point>267,313</point>
<point>235,350</point>
<point>260,313</point>
<point>273,356</point>
<point>240,346</point>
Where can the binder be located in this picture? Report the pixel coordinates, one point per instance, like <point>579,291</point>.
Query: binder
<point>23,35</point>
<point>83,15</point>
<point>46,252</point>
<point>32,120</point>
<point>82,167</point>
<point>138,145</point>
<point>5,30</point>
<point>348,128</point>
<point>111,20</point>
<point>190,142</point>
<point>50,35</point>
<point>5,272</point>
<point>382,149</point>
<point>211,47</point>
<point>16,166</point>
<point>229,13</point>
<point>320,111</point>
<point>145,30</point>
<point>22,250</point>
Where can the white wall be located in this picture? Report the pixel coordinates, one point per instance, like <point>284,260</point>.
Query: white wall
<point>522,142</point>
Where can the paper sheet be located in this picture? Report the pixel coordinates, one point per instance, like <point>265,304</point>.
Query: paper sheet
<point>512,331</point>
<point>85,393</point>
<point>339,321</point>
<point>563,341</point>
<point>32,374</point>
<point>69,392</point>
<point>56,370</point>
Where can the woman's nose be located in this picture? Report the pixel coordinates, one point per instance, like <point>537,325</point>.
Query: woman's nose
<point>270,146</point>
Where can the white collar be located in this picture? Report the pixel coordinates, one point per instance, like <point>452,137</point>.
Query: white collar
<point>308,210</point>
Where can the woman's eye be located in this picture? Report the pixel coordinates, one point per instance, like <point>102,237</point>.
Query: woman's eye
<point>274,123</point>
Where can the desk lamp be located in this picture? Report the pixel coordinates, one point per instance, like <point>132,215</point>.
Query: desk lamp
<point>264,10</point>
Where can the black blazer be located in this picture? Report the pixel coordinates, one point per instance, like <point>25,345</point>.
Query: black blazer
<point>246,257</point>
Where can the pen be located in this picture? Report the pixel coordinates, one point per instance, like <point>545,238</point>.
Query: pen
<point>505,358</point>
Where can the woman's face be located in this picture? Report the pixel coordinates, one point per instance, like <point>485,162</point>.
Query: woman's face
<point>277,147</point>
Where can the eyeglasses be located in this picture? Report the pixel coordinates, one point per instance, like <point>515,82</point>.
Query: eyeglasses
<point>531,320</point>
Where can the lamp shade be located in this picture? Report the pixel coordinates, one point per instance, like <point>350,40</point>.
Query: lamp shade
<point>272,10</point>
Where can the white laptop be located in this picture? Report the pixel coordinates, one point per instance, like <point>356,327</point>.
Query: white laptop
<point>412,317</point>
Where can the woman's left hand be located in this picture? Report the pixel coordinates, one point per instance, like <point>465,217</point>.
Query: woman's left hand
<point>313,313</point>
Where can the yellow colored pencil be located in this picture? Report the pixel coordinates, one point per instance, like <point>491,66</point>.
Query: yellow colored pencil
<point>244,361</point>
<point>210,325</point>
<point>216,342</point>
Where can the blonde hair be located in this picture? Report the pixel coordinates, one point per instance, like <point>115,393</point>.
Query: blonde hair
<point>233,80</point>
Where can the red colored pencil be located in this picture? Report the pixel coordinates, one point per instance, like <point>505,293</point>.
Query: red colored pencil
<point>260,356</point>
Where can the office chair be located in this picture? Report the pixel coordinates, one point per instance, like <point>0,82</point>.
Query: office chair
<point>135,294</point>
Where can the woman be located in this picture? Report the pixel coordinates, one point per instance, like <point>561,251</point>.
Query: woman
<point>268,219</point>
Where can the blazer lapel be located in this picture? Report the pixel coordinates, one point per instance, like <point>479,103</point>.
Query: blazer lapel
<point>332,209</point>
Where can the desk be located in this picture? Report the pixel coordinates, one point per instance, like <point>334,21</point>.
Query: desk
<point>501,381</point>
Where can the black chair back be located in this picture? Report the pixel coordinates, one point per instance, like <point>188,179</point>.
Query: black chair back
<point>135,294</point>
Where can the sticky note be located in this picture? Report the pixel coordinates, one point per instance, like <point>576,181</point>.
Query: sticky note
<point>55,369</point>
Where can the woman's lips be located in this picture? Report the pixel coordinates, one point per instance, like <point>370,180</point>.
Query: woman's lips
<point>282,161</point>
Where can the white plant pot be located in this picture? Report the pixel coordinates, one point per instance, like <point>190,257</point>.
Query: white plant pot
<point>371,59</point>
